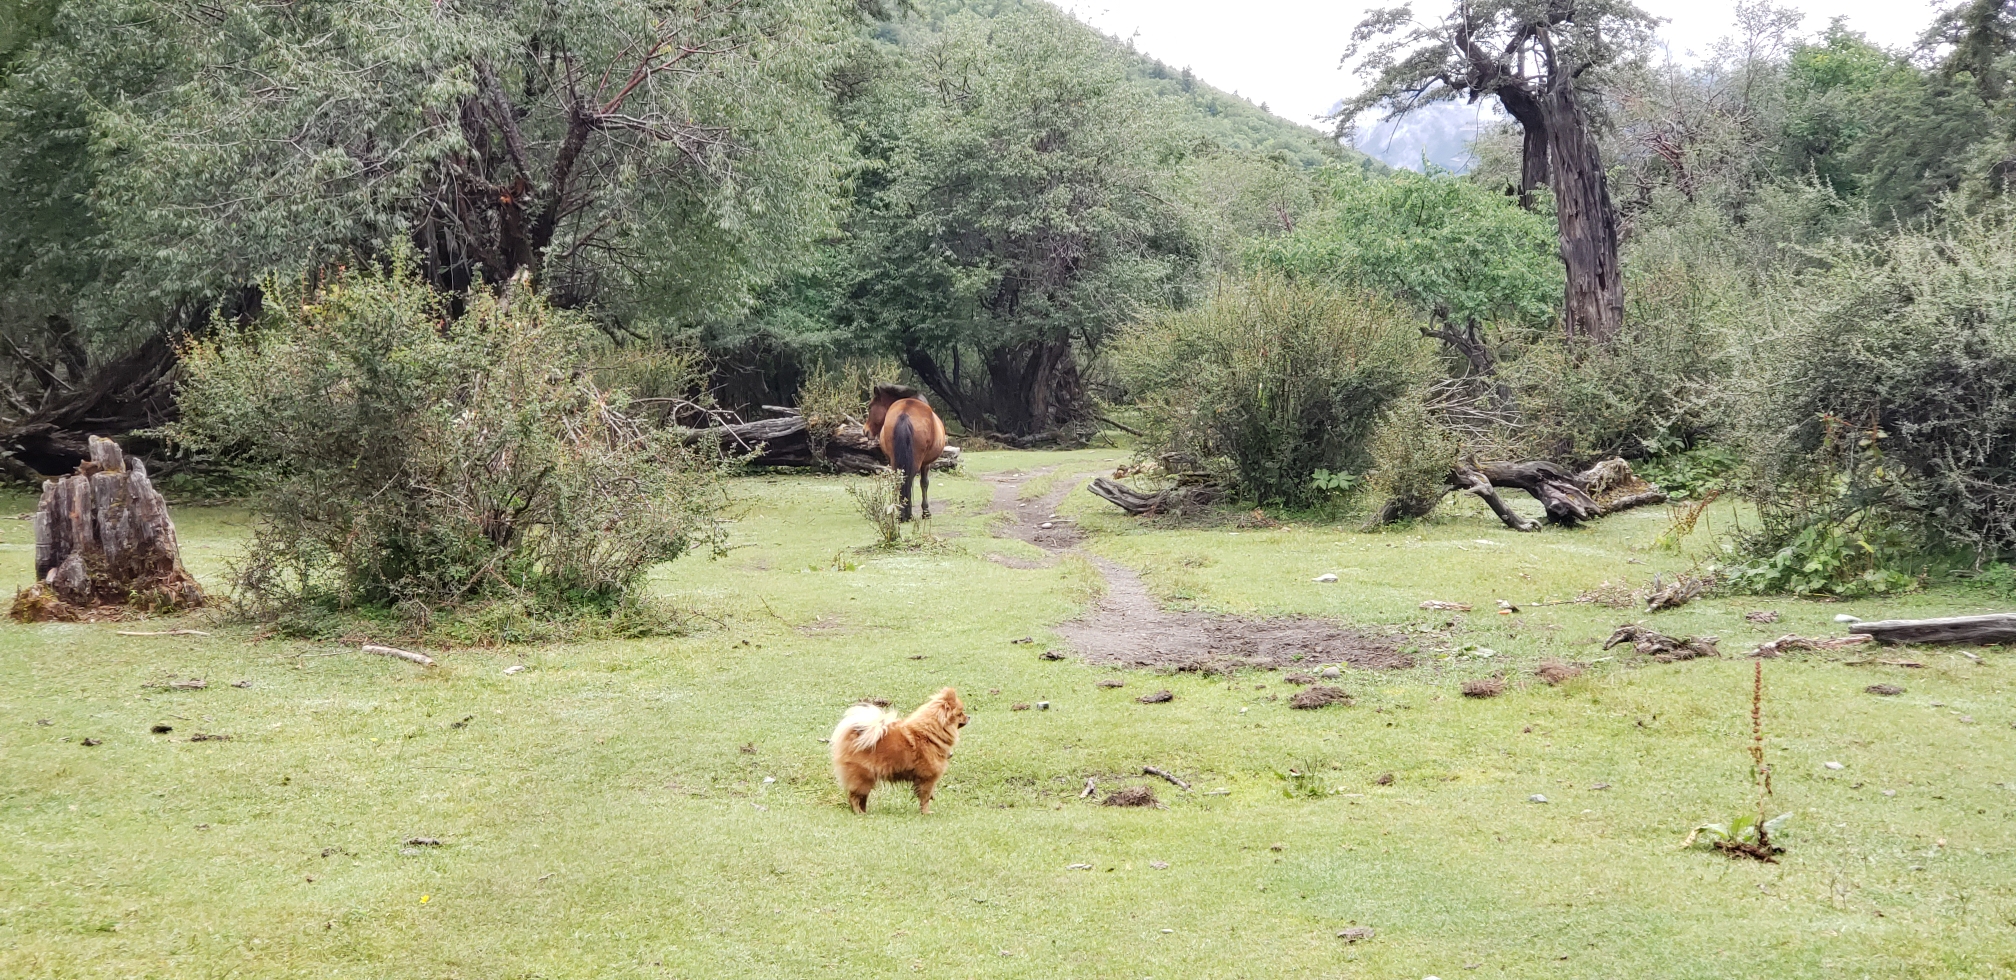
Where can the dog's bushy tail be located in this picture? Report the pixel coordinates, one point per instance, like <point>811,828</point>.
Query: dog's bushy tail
<point>862,726</point>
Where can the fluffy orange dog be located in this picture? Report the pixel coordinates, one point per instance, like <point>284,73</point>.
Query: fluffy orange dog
<point>873,745</point>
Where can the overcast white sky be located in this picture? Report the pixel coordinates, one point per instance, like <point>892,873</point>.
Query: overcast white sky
<point>1284,52</point>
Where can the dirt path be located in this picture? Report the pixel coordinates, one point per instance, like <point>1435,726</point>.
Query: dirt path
<point>1129,627</point>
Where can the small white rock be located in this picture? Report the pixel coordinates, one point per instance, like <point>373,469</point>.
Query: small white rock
<point>1079,867</point>
<point>1325,577</point>
<point>1045,524</point>
<point>1536,798</point>
<point>513,669</point>
<point>1834,765</point>
<point>1845,618</point>
<point>769,779</point>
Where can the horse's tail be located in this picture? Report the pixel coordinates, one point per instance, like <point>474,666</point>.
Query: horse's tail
<point>861,727</point>
<point>904,446</point>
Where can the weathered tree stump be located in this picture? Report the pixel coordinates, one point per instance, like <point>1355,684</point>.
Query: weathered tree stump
<point>786,442</point>
<point>102,539</point>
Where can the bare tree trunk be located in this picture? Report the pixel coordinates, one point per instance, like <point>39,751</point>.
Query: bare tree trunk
<point>1533,168</point>
<point>1587,223</point>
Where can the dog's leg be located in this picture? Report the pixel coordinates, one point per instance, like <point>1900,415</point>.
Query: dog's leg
<point>859,801</point>
<point>925,787</point>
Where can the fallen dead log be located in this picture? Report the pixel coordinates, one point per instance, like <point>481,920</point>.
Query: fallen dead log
<point>1568,498</point>
<point>418,658</point>
<point>785,441</point>
<point>1981,630</point>
<point>1173,500</point>
<point>1791,641</point>
<point>103,539</point>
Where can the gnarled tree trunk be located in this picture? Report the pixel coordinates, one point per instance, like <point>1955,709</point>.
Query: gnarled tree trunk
<point>1587,223</point>
<point>1030,389</point>
<point>103,538</point>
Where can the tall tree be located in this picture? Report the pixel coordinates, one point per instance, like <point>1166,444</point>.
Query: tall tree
<point>1543,60</point>
<point>1017,207</point>
<point>655,160</point>
<point>1977,34</point>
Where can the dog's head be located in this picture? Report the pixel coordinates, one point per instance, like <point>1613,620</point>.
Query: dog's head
<point>951,709</point>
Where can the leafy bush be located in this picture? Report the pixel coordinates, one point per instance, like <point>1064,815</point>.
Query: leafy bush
<point>1269,381</point>
<point>411,458</point>
<point>1691,474</point>
<point>1885,380</point>
<point>1835,524</point>
<point>1412,455</point>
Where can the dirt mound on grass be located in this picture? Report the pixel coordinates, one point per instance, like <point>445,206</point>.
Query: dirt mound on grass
<point>1320,696</point>
<point>1131,796</point>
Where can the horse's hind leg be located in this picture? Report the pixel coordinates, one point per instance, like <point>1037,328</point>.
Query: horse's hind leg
<point>905,513</point>
<point>924,491</point>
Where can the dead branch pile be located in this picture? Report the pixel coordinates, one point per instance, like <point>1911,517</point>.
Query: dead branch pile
<point>785,441</point>
<point>1660,647</point>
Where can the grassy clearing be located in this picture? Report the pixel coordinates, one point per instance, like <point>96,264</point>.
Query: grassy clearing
<point>600,816</point>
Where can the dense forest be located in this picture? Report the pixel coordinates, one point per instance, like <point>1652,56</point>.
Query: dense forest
<point>1778,272</point>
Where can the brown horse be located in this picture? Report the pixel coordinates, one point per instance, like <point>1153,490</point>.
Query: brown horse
<point>911,434</point>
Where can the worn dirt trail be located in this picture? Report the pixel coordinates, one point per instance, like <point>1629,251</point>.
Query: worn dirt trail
<point>1129,627</point>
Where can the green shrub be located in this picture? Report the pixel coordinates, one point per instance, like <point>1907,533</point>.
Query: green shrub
<point>1412,455</point>
<point>412,459</point>
<point>1268,381</point>
<point>1885,379</point>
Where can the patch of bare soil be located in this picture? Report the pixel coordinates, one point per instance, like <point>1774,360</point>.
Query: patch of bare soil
<point>1033,521</point>
<point>1129,627</point>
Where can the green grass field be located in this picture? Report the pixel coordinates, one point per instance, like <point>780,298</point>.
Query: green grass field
<point>663,808</point>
